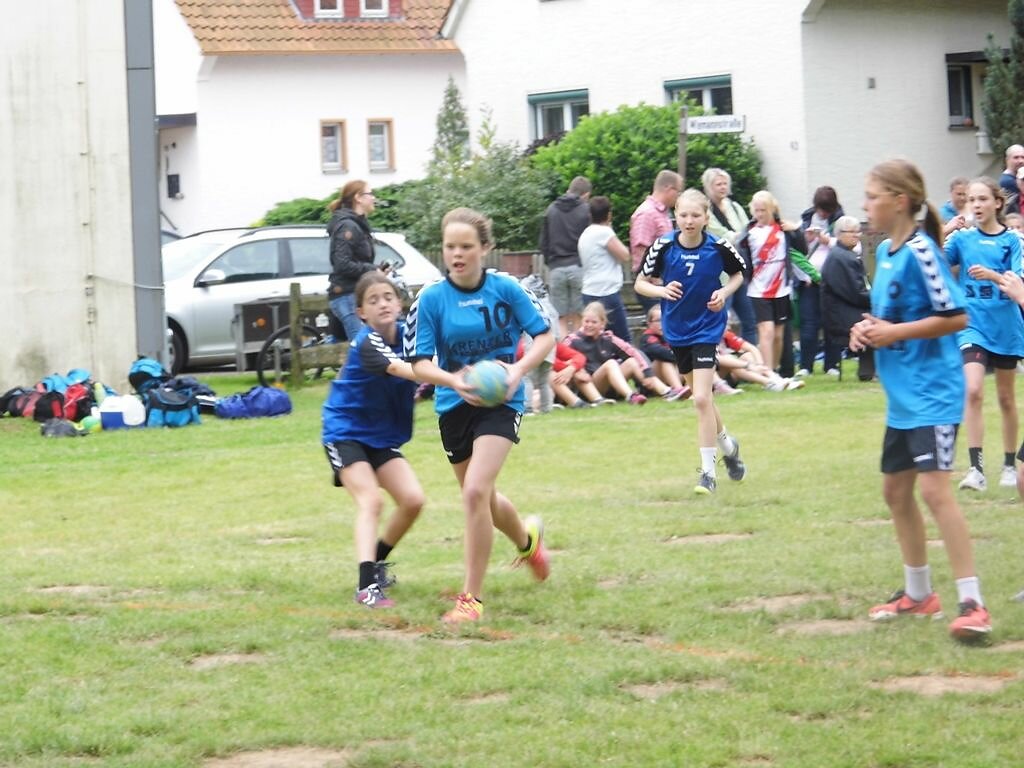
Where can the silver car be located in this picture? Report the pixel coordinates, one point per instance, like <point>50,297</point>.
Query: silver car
<point>207,274</point>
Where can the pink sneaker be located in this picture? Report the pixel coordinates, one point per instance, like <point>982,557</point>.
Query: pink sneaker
<point>973,623</point>
<point>637,399</point>
<point>467,608</point>
<point>900,604</point>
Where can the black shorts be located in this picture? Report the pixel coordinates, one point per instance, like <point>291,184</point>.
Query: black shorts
<point>972,353</point>
<point>465,423</point>
<point>696,356</point>
<point>926,449</point>
<point>345,453</point>
<point>775,310</point>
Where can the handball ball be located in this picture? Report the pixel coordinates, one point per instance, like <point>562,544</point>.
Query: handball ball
<point>490,380</point>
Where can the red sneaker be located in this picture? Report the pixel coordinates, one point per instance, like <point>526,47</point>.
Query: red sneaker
<point>972,623</point>
<point>902,605</point>
<point>536,556</point>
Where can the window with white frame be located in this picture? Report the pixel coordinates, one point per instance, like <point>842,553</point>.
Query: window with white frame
<point>714,94</point>
<point>555,112</point>
<point>333,153</point>
<point>328,9</point>
<point>373,8</point>
<point>965,76</point>
<point>381,146</point>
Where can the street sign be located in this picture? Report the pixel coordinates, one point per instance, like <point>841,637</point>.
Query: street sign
<point>715,124</point>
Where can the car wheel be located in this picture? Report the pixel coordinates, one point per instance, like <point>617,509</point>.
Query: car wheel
<point>176,351</point>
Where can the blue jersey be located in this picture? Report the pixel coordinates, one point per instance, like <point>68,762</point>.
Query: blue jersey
<point>463,326</point>
<point>994,320</point>
<point>923,378</point>
<point>366,404</point>
<point>688,321</point>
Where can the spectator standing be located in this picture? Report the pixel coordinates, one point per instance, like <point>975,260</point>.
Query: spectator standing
<point>729,220</point>
<point>1014,162</point>
<point>564,222</point>
<point>652,219</point>
<point>602,256</point>
<point>769,245</point>
<point>1013,201</point>
<point>845,294</point>
<point>954,211</point>
<point>817,223</point>
<point>351,250</point>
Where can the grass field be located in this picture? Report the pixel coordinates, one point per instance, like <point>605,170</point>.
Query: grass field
<point>184,598</point>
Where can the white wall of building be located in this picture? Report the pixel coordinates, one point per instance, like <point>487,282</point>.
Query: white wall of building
<point>176,60</point>
<point>257,140</point>
<point>66,299</point>
<point>624,52</point>
<point>902,47</point>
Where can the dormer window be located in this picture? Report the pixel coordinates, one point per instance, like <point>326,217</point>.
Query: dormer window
<point>328,9</point>
<point>373,9</point>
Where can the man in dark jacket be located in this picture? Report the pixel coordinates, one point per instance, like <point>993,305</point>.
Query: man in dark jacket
<point>564,222</point>
<point>845,295</point>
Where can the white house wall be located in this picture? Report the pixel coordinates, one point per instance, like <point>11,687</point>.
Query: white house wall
<point>176,60</point>
<point>64,194</point>
<point>902,47</point>
<point>259,126</point>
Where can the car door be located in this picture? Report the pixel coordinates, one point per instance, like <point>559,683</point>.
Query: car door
<point>249,271</point>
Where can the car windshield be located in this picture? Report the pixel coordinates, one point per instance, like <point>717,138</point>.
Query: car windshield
<point>181,255</point>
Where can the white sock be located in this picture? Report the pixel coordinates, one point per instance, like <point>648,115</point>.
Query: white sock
<point>707,460</point>
<point>726,443</point>
<point>917,581</point>
<point>969,587</point>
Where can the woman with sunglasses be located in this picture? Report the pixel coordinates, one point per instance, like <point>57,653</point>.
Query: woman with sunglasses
<point>351,250</point>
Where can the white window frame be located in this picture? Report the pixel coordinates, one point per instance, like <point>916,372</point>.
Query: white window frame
<point>373,13</point>
<point>388,163</point>
<point>675,88</point>
<point>328,13</point>
<point>341,166</point>
<point>567,100</point>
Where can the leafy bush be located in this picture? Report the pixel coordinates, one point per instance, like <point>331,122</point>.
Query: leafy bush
<point>302,210</point>
<point>622,151</point>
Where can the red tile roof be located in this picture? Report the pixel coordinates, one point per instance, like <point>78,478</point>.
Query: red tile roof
<point>276,26</point>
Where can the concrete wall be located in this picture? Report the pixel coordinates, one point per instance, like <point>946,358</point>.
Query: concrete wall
<point>67,297</point>
<point>902,46</point>
<point>257,141</point>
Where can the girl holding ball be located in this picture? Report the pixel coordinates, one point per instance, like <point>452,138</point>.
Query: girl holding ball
<point>472,315</point>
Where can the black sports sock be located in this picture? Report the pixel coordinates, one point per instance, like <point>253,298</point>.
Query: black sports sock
<point>383,550</point>
<point>366,574</point>
<point>1008,459</point>
<point>529,543</point>
<point>975,457</point>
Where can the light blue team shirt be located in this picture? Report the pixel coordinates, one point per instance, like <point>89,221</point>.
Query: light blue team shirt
<point>463,326</point>
<point>994,320</point>
<point>923,378</point>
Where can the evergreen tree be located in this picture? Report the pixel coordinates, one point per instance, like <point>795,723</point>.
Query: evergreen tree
<point>451,144</point>
<point>1002,103</point>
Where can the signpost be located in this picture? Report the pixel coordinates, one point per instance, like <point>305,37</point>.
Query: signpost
<point>704,124</point>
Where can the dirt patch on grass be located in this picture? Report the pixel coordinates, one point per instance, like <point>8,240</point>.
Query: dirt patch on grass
<point>1013,646</point>
<point>936,543</point>
<point>286,757</point>
<point>270,541</point>
<point>832,627</point>
<point>778,603</point>
<point>376,633</point>
<point>759,760</point>
<point>212,660</point>
<point>939,685</point>
<point>84,590</point>
<point>495,697</point>
<point>708,538</point>
<point>654,691</point>
<point>873,521</point>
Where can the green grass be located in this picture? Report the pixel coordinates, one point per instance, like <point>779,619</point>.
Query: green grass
<point>228,538</point>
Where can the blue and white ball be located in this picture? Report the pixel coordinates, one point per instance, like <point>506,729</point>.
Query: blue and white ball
<point>490,382</point>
